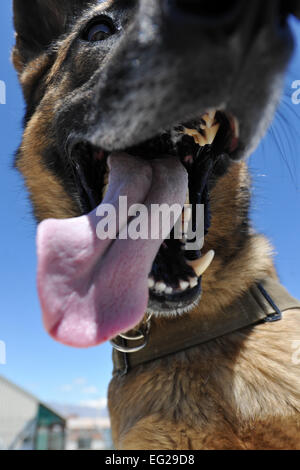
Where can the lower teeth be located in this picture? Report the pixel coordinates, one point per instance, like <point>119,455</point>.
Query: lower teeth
<point>200,266</point>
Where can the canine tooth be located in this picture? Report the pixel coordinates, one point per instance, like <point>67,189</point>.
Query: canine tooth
<point>198,138</point>
<point>193,282</point>
<point>187,198</point>
<point>169,291</point>
<point>151,283</point>
<point>236,128</point>
<point>201,265</point>
<point>184,285</point>
<point>201,140</point>
<point>209,118</point>
<point>212,114</point>
<point>207,139</point>
<point>211,133</point>
<point>185,227</point>
<point>160,286</point>
<point>187,214</point>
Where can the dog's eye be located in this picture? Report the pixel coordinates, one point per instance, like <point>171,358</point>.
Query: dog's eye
<point>99,31</point>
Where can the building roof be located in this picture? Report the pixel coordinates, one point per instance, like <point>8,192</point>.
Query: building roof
<point>31,397</point>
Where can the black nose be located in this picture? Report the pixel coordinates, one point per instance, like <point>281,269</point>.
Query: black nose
<point>209,13</point>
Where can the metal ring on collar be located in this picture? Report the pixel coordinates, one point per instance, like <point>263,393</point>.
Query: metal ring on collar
<point>127,349</point>
<point>133,338</point>
<point>142,334</point>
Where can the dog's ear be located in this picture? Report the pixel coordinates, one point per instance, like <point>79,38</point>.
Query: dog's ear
<point>40,22</point>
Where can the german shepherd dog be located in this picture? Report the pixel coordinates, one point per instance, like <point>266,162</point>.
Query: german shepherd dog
<point>149,99</point>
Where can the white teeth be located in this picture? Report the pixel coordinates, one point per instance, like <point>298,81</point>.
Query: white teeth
<point>184,285</point>
<point>210,130</point>
<point>193,282</point>
<point>187,198</point>
<point>201,265</point>
<point>183,239</point>
<point>212,115</point>
<point>198,138</point>
<point>169,291</point>
<point>236,128</point>
<point>160,287</point>
<point>187,214</point>
<point>185,227</point>
<point>211,133</point>
<point>209,118</point>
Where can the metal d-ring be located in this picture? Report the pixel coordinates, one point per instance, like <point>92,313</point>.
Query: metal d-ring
<point>133,338</point>
<point>142,334</point>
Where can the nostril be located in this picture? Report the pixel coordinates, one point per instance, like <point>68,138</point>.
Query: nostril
<point>204,11</point>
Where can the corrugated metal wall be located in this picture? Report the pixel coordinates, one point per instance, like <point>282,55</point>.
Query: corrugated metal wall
<point>17,409</point>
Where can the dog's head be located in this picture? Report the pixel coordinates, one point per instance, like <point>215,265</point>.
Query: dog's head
<point>147,78</point>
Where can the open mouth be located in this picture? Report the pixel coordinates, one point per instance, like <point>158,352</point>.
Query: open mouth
<point>204,146</point>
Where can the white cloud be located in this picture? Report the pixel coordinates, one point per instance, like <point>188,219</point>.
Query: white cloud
<point>98,403</point>
<point>91,390</point>
<point>80,381</point>
<point>66,388</point>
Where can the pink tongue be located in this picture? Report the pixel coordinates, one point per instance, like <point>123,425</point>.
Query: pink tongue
<point>91,290</point>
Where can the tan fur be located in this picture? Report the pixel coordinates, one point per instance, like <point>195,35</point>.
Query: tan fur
<point>40,78</point>
<point>49,198</point>
<point>234,267</point>
<point>47,193</point>
<point>238,392</point>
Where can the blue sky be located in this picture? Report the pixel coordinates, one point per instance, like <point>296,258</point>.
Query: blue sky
<point>61,374</point>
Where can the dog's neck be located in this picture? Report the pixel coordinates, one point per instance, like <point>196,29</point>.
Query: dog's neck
<point>233,294</point>
<point>242,257</point>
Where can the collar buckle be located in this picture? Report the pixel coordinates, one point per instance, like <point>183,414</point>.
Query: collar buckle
<point>277,316</point>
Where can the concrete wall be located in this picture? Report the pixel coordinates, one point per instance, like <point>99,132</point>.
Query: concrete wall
<point>17,409</point>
